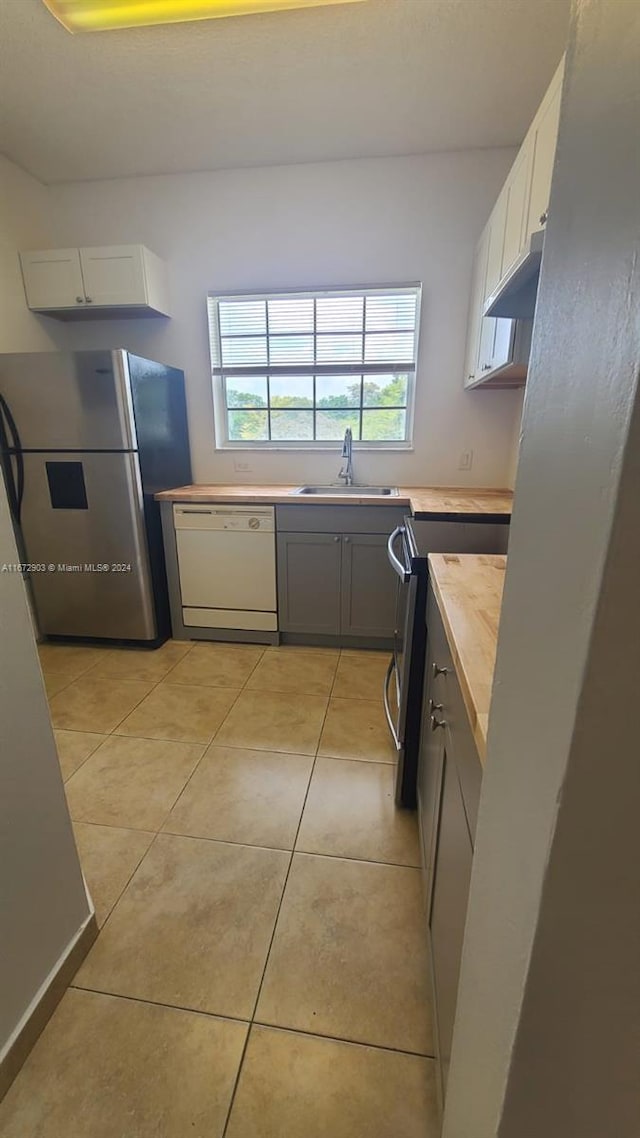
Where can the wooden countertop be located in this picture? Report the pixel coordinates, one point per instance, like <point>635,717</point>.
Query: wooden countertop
<point>468,589</point>
<point>423,501</point>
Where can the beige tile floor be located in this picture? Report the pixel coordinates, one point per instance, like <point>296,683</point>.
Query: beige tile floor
<point>260,970</point>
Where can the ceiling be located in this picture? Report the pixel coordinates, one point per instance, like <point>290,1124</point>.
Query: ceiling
<point>386,77</point>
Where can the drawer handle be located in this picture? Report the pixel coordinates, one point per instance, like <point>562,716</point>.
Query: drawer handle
<point>435,723</point>
<point>437,671</point>
<point>434,707</point>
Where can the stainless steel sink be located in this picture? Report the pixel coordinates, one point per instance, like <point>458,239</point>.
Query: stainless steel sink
<point>351,491</point>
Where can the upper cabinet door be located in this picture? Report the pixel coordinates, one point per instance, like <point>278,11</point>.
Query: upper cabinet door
<point>114,275</point>
<point>517,188</point>
<point>476,302</point>
<point>544,138</point>
<point>53,278</point>
<point>497,223</point>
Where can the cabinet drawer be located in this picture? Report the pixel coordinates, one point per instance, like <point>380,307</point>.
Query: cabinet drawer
<point>464,753</point>
<point>339,519</point>
<point>460,742</point>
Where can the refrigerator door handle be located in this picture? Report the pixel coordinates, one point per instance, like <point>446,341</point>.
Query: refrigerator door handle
<point>10,442</point>
<point>19,457</point>
<point>126,415</point>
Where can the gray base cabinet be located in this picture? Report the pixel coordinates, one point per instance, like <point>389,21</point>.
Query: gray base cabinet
<point>368,587</point>
<point>309,582</point>
<point>451,879</point>
<point>449,783</point>
<point>336,582</point>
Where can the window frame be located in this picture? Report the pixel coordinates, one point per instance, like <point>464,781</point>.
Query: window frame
<point>218,373</point>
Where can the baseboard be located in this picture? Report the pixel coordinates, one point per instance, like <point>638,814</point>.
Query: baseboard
<point>44,1004</point>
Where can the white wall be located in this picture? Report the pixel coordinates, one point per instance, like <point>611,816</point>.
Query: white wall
<point>339,223</point>
<point>25,223</point>
<point>547,1035</point>
<point>43,902</point>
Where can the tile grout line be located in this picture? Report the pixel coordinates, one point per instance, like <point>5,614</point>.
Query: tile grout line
<point>342,1039</point>
<point>249,1023</point>
<point>243,845</point>
<point>123,890</point>
<point>210,743</point>
<point>275,923</point>
<point>159,1004</point>
<point>206,745</point>
<point>86,758</point>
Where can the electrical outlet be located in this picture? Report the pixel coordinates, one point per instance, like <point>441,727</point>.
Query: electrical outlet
<point>466,460</point>
<point>241,467</point>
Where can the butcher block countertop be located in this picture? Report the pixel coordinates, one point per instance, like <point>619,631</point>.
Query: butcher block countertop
<point>468,589</point>
<point>423,501</point>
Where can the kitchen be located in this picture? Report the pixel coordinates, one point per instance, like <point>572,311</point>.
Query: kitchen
<point>280,671</point>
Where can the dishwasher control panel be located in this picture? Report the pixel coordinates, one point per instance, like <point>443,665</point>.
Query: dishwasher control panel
<point>237,519</point>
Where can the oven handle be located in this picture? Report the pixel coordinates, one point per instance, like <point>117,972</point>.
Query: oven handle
<point>387,708</point>
<point>397,565</point>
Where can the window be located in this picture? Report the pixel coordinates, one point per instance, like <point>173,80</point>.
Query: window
<point>296,369</point>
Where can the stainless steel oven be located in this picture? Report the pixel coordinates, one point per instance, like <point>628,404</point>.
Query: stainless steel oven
<point>404,677</point>
<point>408,548</point>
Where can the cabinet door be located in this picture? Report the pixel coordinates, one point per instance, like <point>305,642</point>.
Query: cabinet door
<point>497,223</point>
<point>369,586</point>
<point>53,278</point>
<point>502,352</point>
<point>430,769</point>
<point>545,137</point>
<point>309,582</point>
<point>451,881</point>
<point>476,302</point>
<point>517,194</point>
<point>114,274</point>
<point>487,341</point>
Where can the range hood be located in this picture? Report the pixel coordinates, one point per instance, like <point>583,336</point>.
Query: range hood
<point>515,295</point>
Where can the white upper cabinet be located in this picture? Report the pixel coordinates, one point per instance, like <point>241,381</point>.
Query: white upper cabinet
<point>496,242</point>
<point>497,348</point>
<point>476,301</point>
<point>113,275</point>
<point>517,192</point>
<point>115,280</point>
<point>53,278</point>
<point>543,139</point>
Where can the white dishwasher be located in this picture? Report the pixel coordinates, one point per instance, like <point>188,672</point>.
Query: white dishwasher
<point>227,566</point>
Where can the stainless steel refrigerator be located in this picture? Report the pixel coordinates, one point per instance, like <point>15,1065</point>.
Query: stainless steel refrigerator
<point>86,440</point>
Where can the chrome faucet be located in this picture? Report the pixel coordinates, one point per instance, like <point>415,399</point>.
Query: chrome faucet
<point>346,471</point>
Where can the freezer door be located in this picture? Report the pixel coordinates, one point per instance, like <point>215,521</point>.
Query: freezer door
<point>84,535</point>
<point>70,400</point>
